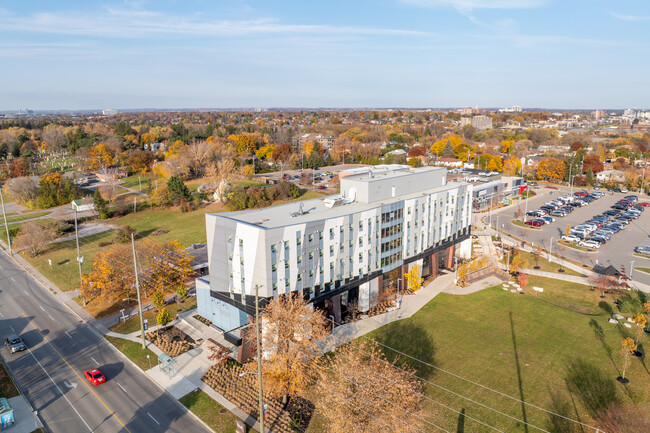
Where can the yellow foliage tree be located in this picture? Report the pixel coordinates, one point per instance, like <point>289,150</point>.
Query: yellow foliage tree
<point>147,138</point>
<point>265,152</point>
<point>519,262</point>
<point>506,145</point>
<point>308,147</point>
<point>176,149</point>
<point>628,347</point>
<point>413,278</point>
<point>511,166</point>
<point>551,169</point>
<point>100,157</point>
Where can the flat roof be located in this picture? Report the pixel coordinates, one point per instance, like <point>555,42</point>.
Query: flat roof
<point>315,209</point>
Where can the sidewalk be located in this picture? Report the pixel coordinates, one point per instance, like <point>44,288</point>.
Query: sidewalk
<point>25,419</point>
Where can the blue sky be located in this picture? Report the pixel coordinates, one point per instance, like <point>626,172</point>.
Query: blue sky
<point>356,53</point>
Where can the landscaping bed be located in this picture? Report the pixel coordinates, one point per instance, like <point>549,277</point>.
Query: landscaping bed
<point>243,392</point>
<point>170,340</point>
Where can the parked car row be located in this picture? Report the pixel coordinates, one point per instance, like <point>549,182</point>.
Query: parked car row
<point>600,228</point>
<point>560,207</point>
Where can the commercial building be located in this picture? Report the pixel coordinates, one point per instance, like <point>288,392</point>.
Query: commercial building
<point>478,122</point>
<point>338,251</point>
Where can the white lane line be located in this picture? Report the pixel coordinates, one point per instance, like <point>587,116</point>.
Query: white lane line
<point>12,328</point>
<point>57,387</point>
<point>122,388</point>
<point>94,360</point>
<point>12,279</point>
<point>66,333</point>
<point>42,307</point>
<point>52,318</point>
<point>2,315</point>
<point>26,292</point>
<point>1,268</point>
<point>154,419</point>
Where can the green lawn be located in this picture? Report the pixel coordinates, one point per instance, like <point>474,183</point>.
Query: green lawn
<point>211,412</point>
<point>26,216</point>
<point>544,264</point>
<point>521,345</point>
<point>639,268</point>
<point>134,183</point>
<point>133,324</point>
<point>7,387</point>
<point>134,352</point>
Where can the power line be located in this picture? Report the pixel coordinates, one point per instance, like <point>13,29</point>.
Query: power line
<point>477,384</point>
<point>355,383</point>
<point>439,403</point>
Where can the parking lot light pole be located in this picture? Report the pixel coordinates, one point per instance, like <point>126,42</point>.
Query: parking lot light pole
<point>631,268</point>
<point>550,250</point>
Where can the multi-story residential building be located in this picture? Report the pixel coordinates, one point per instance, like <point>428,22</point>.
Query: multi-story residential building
<point>339,250</point>
<point>324,141</point>
<point>478,122</point>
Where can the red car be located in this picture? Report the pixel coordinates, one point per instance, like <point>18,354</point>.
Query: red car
<point>94,376</point>
<point>580,193</point>
<point>534,223</point>
<point>644,204</point>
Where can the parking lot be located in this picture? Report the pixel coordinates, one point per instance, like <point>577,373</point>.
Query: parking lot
<point>617,251</point>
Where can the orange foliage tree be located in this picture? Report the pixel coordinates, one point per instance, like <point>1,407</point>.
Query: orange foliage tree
<point>551,169</point>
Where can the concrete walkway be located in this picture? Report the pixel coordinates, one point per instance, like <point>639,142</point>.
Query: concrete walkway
<point>25,419</point>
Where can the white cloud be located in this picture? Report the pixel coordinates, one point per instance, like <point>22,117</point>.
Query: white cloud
<point>630,17</point>
<point>138,23</point>
<point>468,5</point>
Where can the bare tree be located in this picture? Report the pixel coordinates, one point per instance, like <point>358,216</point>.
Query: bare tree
<point>292,334</point>
<point>359,390</point>
<point>200,152</point>
<point>22,189</point>
<point>33,237</point>
<point>54,137</point>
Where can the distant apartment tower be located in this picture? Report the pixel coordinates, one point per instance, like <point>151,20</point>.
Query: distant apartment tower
<point>324,141</point>
<point>478,122</point>
<point>109,112</point>
<point>339,251</point>
<point>513,109</point>
<point>599,114</point>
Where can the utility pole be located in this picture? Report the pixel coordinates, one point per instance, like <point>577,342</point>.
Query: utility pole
<point>134,204</point>
<point>140,182</point>
<point>79,258</point>
<point>137,288</point>
<point>4,214</point>
<point>642,179</point>
<point>259,356</point>
<point>550,251</point>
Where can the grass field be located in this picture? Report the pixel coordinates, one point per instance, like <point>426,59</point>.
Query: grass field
<point>639,268</point>
<point>134,352</point>
<point>526,346</point>
<point>544,264</point>
<point>7,387</point>
<point>210,412</point>
<point>26,216</point>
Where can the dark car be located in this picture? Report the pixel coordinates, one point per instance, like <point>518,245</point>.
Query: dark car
<point>568,209</point>
<point>599,239</point>
<point>619,206</point>
<point>632,198</point>
<point>612,212</point>
<point>15,343</point>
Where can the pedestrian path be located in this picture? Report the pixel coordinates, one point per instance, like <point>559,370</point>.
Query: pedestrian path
<point>26,421</point>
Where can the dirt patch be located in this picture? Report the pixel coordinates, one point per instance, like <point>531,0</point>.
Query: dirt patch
<point>159,232</point>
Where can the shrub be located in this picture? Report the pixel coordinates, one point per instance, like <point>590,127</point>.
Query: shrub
<point>124,234</point>
<point>158,299</point>
<point>181,291</point>
<point>164,317</point>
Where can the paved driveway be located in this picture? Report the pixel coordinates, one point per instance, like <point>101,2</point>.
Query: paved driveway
<point>617,251</point>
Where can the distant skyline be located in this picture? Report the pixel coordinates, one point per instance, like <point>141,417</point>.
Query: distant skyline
<point>77,55</point>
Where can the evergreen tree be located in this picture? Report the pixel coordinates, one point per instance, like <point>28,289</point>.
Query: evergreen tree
<point>101,206</point>
<point>178,189</point>
<point>590,177</point>
<point>4,150</point>
<point>448,151</point>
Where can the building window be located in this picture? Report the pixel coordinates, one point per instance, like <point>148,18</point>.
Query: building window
<point>241,243</point>
<point>331,234</point>
<point>331,250</point>
<point>311,238</point>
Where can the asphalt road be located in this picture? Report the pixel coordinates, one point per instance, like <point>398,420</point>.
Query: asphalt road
<point>60,348</point>
<point>617,251</point>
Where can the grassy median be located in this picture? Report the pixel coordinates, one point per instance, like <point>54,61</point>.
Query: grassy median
<point>211,412</point>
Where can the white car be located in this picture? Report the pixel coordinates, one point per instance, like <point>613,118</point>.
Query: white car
<point>624,190</point>
<point>589,244</point>
<point>570,238</point>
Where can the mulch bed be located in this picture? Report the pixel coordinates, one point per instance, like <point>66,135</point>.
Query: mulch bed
<point>243,392</point>
<point>170,340</point>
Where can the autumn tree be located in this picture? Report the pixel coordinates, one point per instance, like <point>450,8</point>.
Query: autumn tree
<point>158,299</point>
<point>600,153</point>
<point>34,237</point>
<point>519,261</point>
<point>522,280</point>
<point>164,317</point>
<point>551,169</point>
<point>100,157</point>
<point>292,334</point>
<point>18,167</point>
<point>640,321</point>
<point>512,166</point>
<point>281,152</point>
<point>360,390</point>
<point>593,163</point>
<point>507,145</point>
<point>628,347</point>
<point>23,189</point>
<point>414,278</point>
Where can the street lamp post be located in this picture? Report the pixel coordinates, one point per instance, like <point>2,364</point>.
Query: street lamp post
<point>550,250</point>
<point>631,268</point>
<point>137,287</point>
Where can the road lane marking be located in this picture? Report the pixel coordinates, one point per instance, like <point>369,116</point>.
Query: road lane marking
<point>57,387</point>
<point>94,360</point>
<point>154,419</point>
<point>2,315</point>
<point>47,340</point>
<point>121,387</point>
<point>12,328</point>
<point>26,292</point>
<point>66,333</point>
<point>42,307</point>
<point>12,279</point>
<point>52,318</point>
